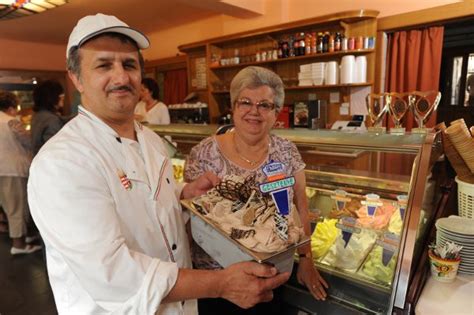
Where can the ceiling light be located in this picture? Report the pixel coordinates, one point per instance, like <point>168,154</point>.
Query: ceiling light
<point>10,9</point>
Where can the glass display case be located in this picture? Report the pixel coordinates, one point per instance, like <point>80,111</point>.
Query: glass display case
<point>371,198</point>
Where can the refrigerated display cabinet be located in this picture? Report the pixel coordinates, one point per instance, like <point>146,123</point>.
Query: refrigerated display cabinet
<point>367,255</point>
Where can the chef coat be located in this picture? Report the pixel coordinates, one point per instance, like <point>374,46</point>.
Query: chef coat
<point>108,210</point>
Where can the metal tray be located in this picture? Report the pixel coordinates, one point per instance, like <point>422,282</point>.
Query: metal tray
<point>227,251</point>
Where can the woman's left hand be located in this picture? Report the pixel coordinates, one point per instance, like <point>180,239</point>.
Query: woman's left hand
<point>309,276</point>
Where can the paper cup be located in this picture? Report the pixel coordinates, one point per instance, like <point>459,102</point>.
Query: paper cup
<point>443,270</point>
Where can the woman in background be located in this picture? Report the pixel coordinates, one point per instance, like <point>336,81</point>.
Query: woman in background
<point>257,95</point>
<point>15,160</point>
<point>48,97</point>
<point>150,109</point>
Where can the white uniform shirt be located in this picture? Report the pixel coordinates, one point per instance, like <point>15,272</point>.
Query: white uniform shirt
<point>109,250</point>
<point>157,115</point>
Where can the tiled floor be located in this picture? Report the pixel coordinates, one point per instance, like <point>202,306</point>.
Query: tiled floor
<point>24,286</point>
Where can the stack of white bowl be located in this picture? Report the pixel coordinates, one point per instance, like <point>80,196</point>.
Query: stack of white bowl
<point>460,231</point>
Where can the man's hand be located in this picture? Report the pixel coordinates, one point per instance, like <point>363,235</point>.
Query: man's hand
<point>249,283</point>
<point>200,186</point>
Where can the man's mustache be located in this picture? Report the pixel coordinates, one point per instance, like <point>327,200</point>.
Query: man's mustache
<point>121,88</point>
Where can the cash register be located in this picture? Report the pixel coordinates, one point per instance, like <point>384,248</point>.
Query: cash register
<point>355,124</point>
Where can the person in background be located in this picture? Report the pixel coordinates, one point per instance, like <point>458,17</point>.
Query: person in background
<point>257,95</point>
<point>48,97</point>
<point>470,89</point>
<point>150,109</point>
<point>15,161</point>
<point>103,196</point>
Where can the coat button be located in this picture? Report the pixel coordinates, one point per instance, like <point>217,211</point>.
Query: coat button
<point>167,180</point>
<point>173,247</point>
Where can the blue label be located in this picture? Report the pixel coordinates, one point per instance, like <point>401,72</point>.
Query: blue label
<point>282,201</point>
<point>371,210</point>
<point>273,168</point>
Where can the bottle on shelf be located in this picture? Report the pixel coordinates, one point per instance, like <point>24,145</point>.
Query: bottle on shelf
<point>331,43</point>
<point>296,45</point>
<point>314,42</point>
<point>320,43</point>
<point>337,42</point>
<point>291,51</point>
<point>236,57</point>
<point>326,42</point>
<point>280,49</point>
<point>308,43</point>
<point>302,44</point>
<point>344,43</point>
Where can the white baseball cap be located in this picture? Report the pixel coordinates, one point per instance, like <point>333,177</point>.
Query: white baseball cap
<point>93,25</point>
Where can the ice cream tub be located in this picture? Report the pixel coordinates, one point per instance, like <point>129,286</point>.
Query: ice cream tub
<point>227,251</point>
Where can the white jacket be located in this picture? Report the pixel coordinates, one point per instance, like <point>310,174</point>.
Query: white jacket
<point>109,250</point>
<point>15,159</point>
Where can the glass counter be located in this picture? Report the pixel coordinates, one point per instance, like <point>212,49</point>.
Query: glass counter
<point>370,197</point>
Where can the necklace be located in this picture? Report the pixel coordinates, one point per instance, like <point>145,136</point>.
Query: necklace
<point>243,158</point>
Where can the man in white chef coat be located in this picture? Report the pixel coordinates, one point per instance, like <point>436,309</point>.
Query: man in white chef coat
<point>103,197</point>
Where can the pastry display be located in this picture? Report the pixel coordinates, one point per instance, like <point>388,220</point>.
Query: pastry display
<point>350,248</point>
<point>238,208</point>
<point>323,237</point>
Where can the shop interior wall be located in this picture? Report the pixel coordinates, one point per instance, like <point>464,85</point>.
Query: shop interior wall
<point>165,43</point>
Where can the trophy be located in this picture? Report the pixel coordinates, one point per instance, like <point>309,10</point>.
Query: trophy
<point>377,108</point>
<point>423,105</point>
<point>398,105</point>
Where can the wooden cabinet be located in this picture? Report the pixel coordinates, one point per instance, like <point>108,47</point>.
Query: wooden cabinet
<point>213,63</point>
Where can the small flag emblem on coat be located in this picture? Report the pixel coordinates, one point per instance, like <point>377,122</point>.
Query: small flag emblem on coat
<point>126,183</point>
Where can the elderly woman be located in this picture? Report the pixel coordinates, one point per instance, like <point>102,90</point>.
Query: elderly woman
<point>48,99</point>
<point>257,95</point>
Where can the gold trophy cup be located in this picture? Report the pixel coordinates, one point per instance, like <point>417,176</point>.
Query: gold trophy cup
<point>423,104</point>
<point>399,106</point>
<point>377,108</point>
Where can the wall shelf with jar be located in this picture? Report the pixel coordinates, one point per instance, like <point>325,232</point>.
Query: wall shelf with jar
<point>291,50</point>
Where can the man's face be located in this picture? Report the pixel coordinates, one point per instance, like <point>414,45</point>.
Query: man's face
<point>110,80</point>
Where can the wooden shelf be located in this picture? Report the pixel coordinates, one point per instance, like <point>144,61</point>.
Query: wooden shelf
<point>330,86</point>
<point>311,87</point>
<point>305,57</point>
<point>359,23</point>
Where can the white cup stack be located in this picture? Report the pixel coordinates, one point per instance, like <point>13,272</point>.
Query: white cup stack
<point>331,75</point>
<point>348,69</point>
<point>360,69</point>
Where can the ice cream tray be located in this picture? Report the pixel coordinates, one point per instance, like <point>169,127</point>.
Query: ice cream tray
<point>227,251</point>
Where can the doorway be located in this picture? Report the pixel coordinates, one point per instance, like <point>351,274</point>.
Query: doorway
<point>457,73</point>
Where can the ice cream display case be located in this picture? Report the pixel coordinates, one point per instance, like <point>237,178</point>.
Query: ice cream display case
<point>370,198</point>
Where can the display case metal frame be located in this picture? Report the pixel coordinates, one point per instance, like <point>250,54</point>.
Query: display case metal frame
<point>426,149</point>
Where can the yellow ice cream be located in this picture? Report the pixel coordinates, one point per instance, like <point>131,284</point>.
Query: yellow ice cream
<point>396,223</point>
<point>323,237</point>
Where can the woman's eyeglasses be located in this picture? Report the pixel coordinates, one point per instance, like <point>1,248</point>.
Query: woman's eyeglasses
<point>246,105</point>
